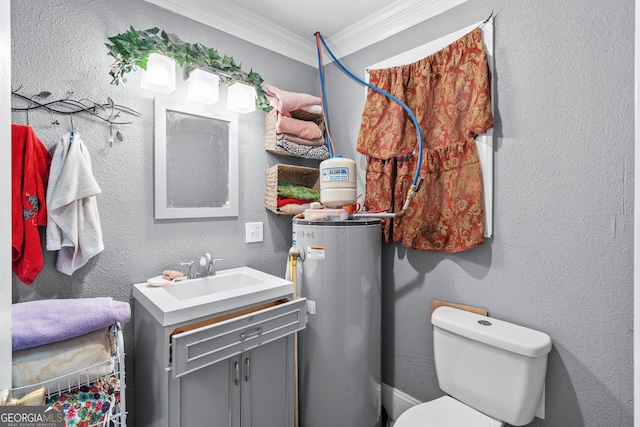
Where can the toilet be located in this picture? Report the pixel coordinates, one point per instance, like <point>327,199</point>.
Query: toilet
<point>492,371</point>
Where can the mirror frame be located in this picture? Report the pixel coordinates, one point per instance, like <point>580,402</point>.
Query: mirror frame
<point>162,211</point>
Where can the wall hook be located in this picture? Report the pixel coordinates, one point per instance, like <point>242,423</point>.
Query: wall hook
<point>54,121</point>
<point>69,106</point>
<point>488,19</point>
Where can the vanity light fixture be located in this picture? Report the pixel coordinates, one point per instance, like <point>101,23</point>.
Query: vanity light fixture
<point>134,49</point>
<point>160,74</point>
<point>241,98</point>
<point>203,86</point>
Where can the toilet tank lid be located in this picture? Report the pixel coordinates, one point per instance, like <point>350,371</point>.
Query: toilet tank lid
<point>491,331</point>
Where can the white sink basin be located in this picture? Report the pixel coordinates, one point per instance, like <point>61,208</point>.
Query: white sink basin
<point>228,290</point>
<point>222,282</point>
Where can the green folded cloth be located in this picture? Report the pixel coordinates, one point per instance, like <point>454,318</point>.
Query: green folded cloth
<point>296,191</point>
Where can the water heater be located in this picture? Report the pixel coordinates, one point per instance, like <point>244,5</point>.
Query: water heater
<point>339,272</point>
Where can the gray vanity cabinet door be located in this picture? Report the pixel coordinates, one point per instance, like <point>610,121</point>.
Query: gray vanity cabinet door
<point>252,385</point>
<point>210,396</point>
<point>267,387</point>
<point>252,389</point>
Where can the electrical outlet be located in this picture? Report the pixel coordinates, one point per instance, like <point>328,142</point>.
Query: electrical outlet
<point>253,232</point>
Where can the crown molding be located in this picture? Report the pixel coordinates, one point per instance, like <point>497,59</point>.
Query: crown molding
<point>388,21</point>
<point>251,27</point>
<point>245,25</point>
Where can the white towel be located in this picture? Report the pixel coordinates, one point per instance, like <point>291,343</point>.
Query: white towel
<point>49,361</point>
<point>73,226</point>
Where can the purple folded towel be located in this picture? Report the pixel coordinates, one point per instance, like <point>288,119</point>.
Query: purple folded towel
<point>41,322</point>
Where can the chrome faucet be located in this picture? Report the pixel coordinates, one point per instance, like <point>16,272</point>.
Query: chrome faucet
<point>191,274</point>
<point>207,267</point>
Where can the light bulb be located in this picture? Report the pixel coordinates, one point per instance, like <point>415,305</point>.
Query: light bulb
<point>203,87</point>
<point>160,74</point>
<point>241,98</point>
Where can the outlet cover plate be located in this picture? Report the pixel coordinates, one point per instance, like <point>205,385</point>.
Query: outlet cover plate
<point>253,232</point>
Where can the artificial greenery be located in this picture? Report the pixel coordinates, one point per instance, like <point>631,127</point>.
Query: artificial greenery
<point>132,49</point>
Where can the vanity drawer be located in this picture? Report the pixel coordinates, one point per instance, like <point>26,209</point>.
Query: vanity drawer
<point>196,348</point>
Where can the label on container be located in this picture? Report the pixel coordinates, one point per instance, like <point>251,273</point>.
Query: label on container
<point>335,174</point>
<point>315,252</point>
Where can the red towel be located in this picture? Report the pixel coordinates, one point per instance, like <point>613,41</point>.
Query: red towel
<point>30,175</point>
<point>287,201</point>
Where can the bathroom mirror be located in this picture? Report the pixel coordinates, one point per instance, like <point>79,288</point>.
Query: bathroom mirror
<point>196,161</point>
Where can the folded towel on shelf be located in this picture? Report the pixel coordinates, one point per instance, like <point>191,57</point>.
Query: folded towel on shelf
<point>301,128</point>
<point>49,362</point>
<point>297,191</point>
<point>288,200</point>
<point>293,208</point>
<point>41,322</point>
<point>284,101</point>
<point>301,141</point>
<point>283,143</point>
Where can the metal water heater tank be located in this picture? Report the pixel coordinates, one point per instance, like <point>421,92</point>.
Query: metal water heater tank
<point>339,272</point>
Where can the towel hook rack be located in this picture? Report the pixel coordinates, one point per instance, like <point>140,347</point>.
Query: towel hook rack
<point>109,112</point>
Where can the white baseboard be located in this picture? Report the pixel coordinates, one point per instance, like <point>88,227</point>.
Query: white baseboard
<point>395,402</point>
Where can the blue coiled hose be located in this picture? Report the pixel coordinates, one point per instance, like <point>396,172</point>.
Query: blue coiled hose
<point>324,101</point>
<point>359,80</point>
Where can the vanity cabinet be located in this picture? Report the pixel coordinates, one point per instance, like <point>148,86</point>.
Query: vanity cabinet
<point>253,389</point>
<point>232,369</point>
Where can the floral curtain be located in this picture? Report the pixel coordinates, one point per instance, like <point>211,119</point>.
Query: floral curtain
<point>449,93</point>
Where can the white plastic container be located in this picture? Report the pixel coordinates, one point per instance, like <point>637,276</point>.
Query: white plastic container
<point>338,182</point>
<point>326,214</point>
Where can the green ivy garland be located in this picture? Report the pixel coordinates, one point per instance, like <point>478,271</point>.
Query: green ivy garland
<point>132,49</point>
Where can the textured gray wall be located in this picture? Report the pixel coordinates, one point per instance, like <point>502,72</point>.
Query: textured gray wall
<point>561,259</point>
<point>59,46</point>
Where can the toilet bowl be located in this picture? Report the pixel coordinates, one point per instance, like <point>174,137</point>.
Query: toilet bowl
<point>492,371</point>
<point>445,412</point>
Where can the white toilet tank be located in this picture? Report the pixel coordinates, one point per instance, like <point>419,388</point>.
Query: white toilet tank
<point>495,367</point>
